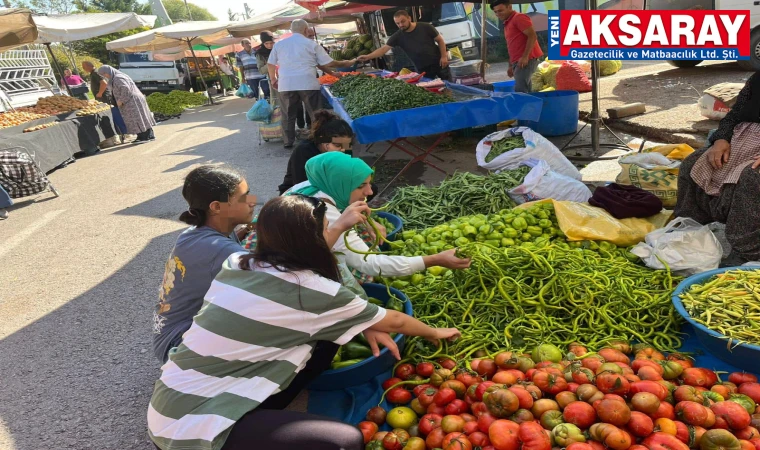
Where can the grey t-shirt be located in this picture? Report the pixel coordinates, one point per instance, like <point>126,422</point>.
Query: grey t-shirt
<point>419,44</point>
<point>195,261</point>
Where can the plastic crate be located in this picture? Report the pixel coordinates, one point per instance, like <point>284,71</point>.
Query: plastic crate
<point>364,371</point>
<point>743,356</point>
<point>398,225</point>
<point>559,115</point>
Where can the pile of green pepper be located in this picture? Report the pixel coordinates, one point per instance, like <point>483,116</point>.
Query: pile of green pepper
<point>358,349</point>
<point>461,194</point>
<point>503,146</point>
<point>368,96</point>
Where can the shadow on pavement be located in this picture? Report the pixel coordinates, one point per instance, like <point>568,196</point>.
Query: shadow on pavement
<point>98,364</point>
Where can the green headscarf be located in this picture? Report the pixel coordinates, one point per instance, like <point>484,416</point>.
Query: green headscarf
<point>337,175</point>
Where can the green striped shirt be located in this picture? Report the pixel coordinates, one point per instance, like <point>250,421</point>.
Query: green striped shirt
<point>255,332</point>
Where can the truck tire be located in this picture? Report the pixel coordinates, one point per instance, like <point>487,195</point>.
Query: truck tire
<point>684,63</point>
<point>754,51</point>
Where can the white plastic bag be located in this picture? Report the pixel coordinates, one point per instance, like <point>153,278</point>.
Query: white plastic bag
<point>684,244</point>
<point>650,161</point>
<point>536,147</point>
<point>541,183</point>
<point>712,108</point>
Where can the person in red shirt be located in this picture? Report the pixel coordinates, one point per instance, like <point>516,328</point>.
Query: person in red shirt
<point>522,43</point>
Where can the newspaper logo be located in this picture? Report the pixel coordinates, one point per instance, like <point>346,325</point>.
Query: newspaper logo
<point>649,35</point>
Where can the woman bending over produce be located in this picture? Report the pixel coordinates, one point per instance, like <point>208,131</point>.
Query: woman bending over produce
<point>721,183</point>
<point>329,133</point>
<point>271,322</point>
<point>340,180</point>
<point>218,200</point>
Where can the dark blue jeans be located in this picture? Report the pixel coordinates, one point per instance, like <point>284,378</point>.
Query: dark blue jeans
<point>254,85</point>
<point>5,199</point>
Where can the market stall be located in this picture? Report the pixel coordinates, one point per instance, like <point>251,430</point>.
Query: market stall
<point>434,114</point>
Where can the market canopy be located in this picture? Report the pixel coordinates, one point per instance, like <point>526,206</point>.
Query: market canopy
<point>75,27</point>
<point>171,36</point>
<point>16,28</point>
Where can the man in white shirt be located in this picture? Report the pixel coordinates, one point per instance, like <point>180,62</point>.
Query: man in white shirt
<point>292,67</point>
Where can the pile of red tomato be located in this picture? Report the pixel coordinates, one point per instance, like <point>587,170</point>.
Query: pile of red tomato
<point>619,398</point>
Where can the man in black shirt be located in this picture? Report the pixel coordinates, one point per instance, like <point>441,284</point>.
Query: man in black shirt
<point>98,85</point>
<point>422,42</point>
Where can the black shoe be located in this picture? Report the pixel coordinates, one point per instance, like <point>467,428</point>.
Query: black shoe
<point>288,146</point>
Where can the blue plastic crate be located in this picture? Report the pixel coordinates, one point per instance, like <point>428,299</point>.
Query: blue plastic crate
<point>371,367</point>
<point>743,356</point>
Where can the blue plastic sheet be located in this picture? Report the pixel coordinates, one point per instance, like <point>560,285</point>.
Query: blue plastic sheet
<point>490,108</point>
<point>351,405</point>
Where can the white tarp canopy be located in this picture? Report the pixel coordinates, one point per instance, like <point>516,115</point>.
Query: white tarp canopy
<point>180,53</point>
<point>268,21</point>
<point>171,36</point>
<point>75,27</point>
<point>16,28</point>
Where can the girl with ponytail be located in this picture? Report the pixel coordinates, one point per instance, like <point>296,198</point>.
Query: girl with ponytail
<point>329,133</point>
<point>218,201</point>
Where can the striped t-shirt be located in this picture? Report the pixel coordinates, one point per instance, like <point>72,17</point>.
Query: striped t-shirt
<point>255,332</point>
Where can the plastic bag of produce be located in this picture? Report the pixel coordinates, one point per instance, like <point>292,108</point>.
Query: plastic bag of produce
<point>712,108</point>
<point>571,77</point>
<point>609,67</point>
<point>259,112</point>
<point>687,247</point>
<point>541,183</point>
<point>244,91</point>
<point>655,170</point>
<point>536,147</point>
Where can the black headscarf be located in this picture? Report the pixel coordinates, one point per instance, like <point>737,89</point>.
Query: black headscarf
<point>262,50</point>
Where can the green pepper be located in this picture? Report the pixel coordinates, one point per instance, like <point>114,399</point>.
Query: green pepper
<point>432,250</point>
<point>492,242</point>
<point>606,246</point>
<point>400,285</point>
<point>484,229</point>
<point>532,221</point>
<point>447,235</point>
<point>435,270</point>
<point>417,279</point>
<point>408,234</point>
<point>354,350</point>
<point>342,364</point>
<point>432,237</point>
<point>418,238</point>
<point>494,235</point>
<point>395,304</point>
<point>534,231</point>
<point>545,223</point>
<point>511,233</point>
<point>359,338</point>
<point>507,242</point>
<point>470,230</point>
<point>519,223</point>
<point>336,358</point>
<point>375,301</point>
<point>462,241</point>
<point>456,234</point>
<point>526,237</point>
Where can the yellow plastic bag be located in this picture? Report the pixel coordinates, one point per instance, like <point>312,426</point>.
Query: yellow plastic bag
<point>661,181</point>
<point>456,54</point>
<point>583,222</point>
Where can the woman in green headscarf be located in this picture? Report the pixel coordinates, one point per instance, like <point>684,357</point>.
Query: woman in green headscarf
<point>341,180</point>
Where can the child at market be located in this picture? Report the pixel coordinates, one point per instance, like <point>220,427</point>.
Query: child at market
<point>340,180</point>
<point>329,133</point>
<point>272,322</point>
<point>218,201</point>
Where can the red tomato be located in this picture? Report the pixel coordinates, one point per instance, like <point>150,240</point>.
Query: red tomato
<point>444,396</point>
<point>523,415</point>
<point>456,441</point>
<point>368,430</point>
<point>486,368</point>
<point>682,432</point>
<point>392,441</point>
<point>649,373</point>
<point>426,397</point>
<point>478,408</point>
<point>457,407</point>
<point>404,371</point>
<point>580,414</point>
<point>640,424</point>
<point>533,437</point>
<point>751,390</point>
<point>746,445</point>
<point>652,387</point>
<point>696,376</point>
<point>467,378</point>
<point>503,435</point>
<point>435,409</point>
<point>687,393</point>
<point>399,396</point>
<point>451,424</point>
<point>543,405</point>
<point>613,412</point>
<point>468,417</point>
<point>420,388</point>
<point>504,377</point>
<point>523,396</point>
<point>613,355</point>
<point>612,383</point>
<point>435,438</point>
<point>665,411</point>
<point>663,441</point>
<point>479,439</point>
<point>501,402</point>
<point>485,421</point>
<point>695,414</point>
<point>456,386</point>
<point>565,398</point>
<point>637,364</point>
<point>429,422</point>
<point>581,446</point>
<point>549,382</point>
<point>425,369</point>
<point>735,418</point>
<point>645,402</point>
<point>470,427</point>
<point>447,363</point>
<point>742,377</point>
<point>748,433</point>
<point>390,382</point>
<point>481,389</point>
<point>377,415</point>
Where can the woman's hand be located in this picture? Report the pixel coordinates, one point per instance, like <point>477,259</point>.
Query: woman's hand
<point>378,337</point>
<point>450,334</point>
<point>356,212</point>
<point>119,104</point>
<point>447,259</point>
<point>756,164</point>
<point>718,154</point>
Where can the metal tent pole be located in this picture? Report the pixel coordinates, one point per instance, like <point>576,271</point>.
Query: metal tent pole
<point>200,74</point>
<point>483,39</point>
<point>58,67</point>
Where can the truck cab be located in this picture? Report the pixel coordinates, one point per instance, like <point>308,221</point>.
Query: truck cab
<point>450,19</point>
<point>752,5</point>
<point>149,75</point>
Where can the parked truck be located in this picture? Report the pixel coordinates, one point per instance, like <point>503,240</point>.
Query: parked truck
<point>150,75</point>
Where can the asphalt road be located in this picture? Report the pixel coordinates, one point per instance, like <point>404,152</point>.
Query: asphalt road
<point>79,276</point>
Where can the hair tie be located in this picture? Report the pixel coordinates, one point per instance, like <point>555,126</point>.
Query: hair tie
<point>190,211</point>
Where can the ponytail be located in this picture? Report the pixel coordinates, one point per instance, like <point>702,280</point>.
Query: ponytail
<point>326,126</point>
<point>193,217</point>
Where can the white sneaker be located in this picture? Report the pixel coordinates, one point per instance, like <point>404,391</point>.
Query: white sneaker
<point>3,214</point>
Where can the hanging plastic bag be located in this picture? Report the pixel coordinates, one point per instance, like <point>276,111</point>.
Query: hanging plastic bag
<point>536,147</point>
<point>541,183</point>
<point>259,112</point>
<point>244,91</point>
<point>685,245</point>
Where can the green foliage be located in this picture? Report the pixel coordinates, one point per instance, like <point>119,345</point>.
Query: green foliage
<point>45,6</point>
<point>112,6</point>
<point>64,60</point>
<point>177,11</point>
<point>97,46</point>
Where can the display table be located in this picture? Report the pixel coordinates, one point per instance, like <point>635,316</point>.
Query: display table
<point>476,108</point>
<point>54,146</point>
